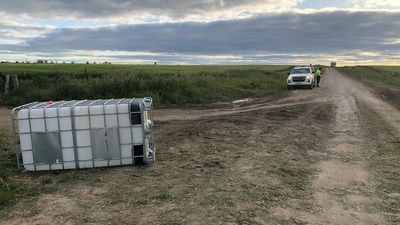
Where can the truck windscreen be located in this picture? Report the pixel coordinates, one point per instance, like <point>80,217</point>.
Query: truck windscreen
<point>300,71</point>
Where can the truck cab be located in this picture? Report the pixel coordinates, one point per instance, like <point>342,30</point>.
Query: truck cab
<point>301,76</point>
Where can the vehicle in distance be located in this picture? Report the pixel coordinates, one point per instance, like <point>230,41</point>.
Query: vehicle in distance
<point>301,76</point>
<point>333,64</point>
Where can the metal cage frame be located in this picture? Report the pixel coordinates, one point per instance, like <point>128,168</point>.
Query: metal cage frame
<point>147,133</point>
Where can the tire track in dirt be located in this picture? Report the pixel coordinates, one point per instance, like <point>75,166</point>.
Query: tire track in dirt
<point>388,112</point>
<point>196,114</point>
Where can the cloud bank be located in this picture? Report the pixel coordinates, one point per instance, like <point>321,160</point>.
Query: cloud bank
<point>209,31</point>
<point>135,8</point>
<point>330,32</point>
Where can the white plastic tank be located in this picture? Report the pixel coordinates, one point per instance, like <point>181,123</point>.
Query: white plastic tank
<point>84,134</point>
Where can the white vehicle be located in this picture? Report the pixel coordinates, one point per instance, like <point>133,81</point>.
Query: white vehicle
<point>301,76</point>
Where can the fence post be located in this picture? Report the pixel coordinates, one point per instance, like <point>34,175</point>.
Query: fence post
<point>2,82</point>
<point>15,82</point>
<point>7,84</point>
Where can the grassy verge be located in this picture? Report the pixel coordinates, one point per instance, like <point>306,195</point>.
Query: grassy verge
<point>383,160</point>
<point>11,190</point>
<point>384,80</point>
<point>389,76</point>
<point>387,170</point>
<point>8,190</point>
<point>5,194</point>
<point>167,85</point>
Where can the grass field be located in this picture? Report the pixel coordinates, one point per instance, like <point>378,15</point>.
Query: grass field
<point>71,69</point>
<point>394,69</point>
<point>166,84</point>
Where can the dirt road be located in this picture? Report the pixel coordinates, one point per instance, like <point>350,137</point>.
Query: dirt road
<point>292,159</point>
<point>343,170</point>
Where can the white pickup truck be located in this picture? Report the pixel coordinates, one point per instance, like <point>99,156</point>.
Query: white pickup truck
<point>301,76</point>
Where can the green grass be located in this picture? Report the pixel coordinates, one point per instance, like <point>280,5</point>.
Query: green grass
<point>11,191</point>
<point>192,84</point>
<point>6,161</point>
<point>381,75</point>
<point>69,69</point>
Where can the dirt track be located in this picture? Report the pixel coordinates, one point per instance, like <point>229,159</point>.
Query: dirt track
<point>279,160</point>
<point>337,172</point>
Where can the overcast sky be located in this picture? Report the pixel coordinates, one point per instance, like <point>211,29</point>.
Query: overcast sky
<point>201,31</point>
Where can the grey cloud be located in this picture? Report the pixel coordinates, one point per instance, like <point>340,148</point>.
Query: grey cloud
<point>15,31</point>
<point>20,27</point>
<point>333,32</point>
<point>112,8</point>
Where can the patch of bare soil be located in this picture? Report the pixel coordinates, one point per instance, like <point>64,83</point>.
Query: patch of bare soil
<point>240,106</point>
<point>5,117</point>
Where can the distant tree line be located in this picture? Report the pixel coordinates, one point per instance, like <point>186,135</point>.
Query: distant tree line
<point>41,61</point>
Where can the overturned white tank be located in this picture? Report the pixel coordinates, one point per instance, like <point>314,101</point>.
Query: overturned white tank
<point>84,134</point>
